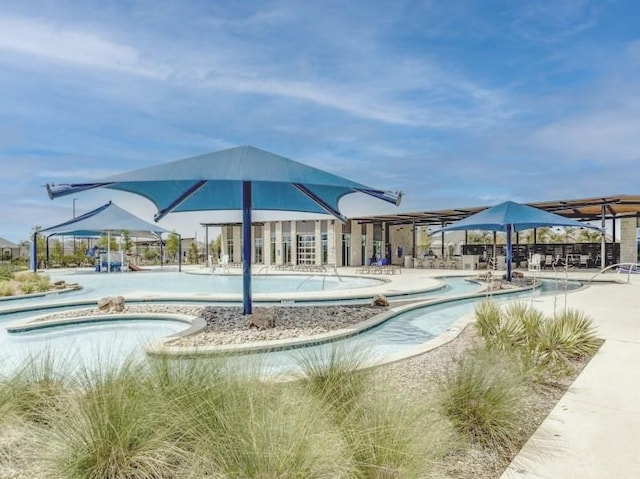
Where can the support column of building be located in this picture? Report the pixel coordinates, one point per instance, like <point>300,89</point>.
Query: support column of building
<point>279,244</point>
<point>266,243</point>
<point>628,240</point>
<point>334,239</point>
<point>224,235</point>
<point>294,243</point>
<point>318,241</point>
<point>356,244</point>
<point>237,245</point>
<point>369,243</point>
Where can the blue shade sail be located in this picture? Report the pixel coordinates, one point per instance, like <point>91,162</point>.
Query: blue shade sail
<point>511,216</point>
<point>106,218</point>
<point>242,178</point>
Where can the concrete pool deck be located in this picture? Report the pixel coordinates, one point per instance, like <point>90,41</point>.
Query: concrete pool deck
<point>594,430</point>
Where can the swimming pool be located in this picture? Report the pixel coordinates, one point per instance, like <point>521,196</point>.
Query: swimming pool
<point>91,343</point>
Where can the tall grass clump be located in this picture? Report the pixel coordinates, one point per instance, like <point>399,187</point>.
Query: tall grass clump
<point>40,387</point>
<point>384,436</point>
<point>336,376</point>
<point>7,288</point>
<point>110,431</point>
<point>481,397</point>
<point>252,429</point>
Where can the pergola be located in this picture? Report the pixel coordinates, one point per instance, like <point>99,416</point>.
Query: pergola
<point>591,209</point>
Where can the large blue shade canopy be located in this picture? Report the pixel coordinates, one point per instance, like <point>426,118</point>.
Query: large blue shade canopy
<point>107,218</point>
<point>214,182</point>
<point>242,178</point>
<point>511,216</point>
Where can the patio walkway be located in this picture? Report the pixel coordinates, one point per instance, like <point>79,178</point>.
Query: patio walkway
<point>594,431</point>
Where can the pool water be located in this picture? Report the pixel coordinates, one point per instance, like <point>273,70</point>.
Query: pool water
<point>174,282</point>
<point>89,344</point>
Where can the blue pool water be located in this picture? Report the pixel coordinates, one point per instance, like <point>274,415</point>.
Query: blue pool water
<point>93,343</point>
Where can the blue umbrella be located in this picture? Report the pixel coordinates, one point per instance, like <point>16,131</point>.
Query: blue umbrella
<point>242,178</point>
<point>511,216</point>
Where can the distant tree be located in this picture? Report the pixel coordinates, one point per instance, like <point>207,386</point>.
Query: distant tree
<point>543,234</point>
<point>215,247</point>
<point>173,245</point>
<point>127,242</point>
<point>108,242</point>
<point>590,236</point>
<point>57,251</point>
<point>570,234</point>
<point>193,253</point>
<point>479,237</point>
<point>556,237</point>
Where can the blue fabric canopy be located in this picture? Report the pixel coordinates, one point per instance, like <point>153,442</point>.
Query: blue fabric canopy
<point>106,218</point>
<point>214,182</point>
<point>245,178</point>
<point>511,216</point>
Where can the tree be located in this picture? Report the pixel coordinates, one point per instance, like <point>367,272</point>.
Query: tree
<point>215,247</point>
<point>590,236</point>
<point>570,234</point>
<point>193,253</point>
<point>127,243</point>
<point>543,234</point>
<point>107,242</point>
<point>173,245</point>
<point>479,237</point>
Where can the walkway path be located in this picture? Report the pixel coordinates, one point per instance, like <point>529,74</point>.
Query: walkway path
<point>594,431</point>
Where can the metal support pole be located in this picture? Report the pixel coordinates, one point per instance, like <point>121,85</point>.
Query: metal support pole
<point>246,247</point>
<point>603,242</point>
<point>508,253</point>
<point>179,253</point>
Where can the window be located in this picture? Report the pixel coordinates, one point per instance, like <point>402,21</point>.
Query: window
<point>306,253</point>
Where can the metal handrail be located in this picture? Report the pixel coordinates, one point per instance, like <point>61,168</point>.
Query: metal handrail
<point>615,266</point>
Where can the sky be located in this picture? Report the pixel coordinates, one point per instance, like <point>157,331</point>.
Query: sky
<point>457,103</point>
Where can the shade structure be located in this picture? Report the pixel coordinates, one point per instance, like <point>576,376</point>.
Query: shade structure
<point>242,178</point>
<point>511,216</point>
<point>108,218</point>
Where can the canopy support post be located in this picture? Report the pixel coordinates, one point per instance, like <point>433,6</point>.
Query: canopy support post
<point>34,253</point>
<point>603,240</point>
<point>246,247</point>
<point>179,253</point>
<point>508,253</point>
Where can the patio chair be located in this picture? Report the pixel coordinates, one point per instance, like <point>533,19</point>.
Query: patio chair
<point>535,261</point>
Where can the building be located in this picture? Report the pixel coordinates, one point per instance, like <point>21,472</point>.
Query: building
<point>402,237</point>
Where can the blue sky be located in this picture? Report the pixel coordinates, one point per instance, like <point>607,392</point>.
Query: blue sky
<point>455,103</point>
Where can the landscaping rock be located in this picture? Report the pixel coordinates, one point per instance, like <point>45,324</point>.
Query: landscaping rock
<point>380,300</point>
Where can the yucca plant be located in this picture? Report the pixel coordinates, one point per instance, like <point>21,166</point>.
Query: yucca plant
<point>481,398</point>
<point>567,337</point>
<point>488,319</point>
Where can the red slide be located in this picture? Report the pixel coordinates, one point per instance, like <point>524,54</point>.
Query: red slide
<point>133,267</point>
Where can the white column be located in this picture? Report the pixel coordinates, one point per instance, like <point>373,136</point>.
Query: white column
<point>356,248</point>
<point>237,245</point>
<point>266,243</point>
<point>318,241</point>
<point>279,246</point>
<point>294,243</point>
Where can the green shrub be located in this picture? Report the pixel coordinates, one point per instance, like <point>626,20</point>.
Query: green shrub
<point>481,398</point>
<point>567,337</point>
<point>488,319</point>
